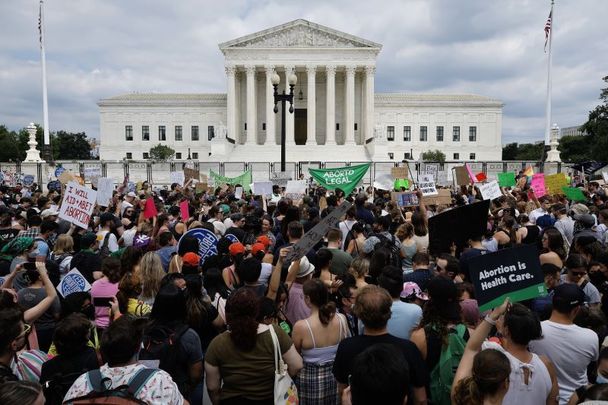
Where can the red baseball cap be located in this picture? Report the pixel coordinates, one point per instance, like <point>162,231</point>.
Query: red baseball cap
<point>191,259</point>
<point>263,239</point>
<point>258,247</point>
<point>236,248</point>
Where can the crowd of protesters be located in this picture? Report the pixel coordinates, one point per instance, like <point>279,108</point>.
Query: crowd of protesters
<point>367,316</point>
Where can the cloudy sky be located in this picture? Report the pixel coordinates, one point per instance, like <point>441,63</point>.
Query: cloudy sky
<point>102,48</point>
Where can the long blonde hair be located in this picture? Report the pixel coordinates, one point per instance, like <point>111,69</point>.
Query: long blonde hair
<point>64,244</point>
<point>151,273</point>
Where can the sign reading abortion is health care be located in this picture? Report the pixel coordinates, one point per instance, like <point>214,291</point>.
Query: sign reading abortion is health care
<point>207,242</point>
<point>513,273</point>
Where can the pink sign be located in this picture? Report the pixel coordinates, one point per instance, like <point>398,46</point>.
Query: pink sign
<point>184,210</point>
<point>538,184</point>
<point>470,172</point>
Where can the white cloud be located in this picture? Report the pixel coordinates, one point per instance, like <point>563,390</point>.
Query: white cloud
<point>97,49</point>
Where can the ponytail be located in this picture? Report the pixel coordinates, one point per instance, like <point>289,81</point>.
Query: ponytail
<point>318,294</point>
<point>327,312</point>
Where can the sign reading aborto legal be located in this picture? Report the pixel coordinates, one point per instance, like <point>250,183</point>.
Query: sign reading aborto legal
<point>513,273</point>
<point>344,178</point>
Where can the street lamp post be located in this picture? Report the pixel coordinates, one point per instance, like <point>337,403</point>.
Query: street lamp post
<point>283,98</point>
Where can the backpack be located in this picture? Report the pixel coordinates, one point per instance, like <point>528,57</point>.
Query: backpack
<point>389,244</point>
<point>442,376</point>
<point>162,343</point>
<point>104,394</point>
<point>104,250</point>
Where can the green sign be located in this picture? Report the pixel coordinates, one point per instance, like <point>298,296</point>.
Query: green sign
<point>574,194</point>
<point>506,179</point>
<point>242,179</point>
<point>405,183</point>
<point>344,178</point>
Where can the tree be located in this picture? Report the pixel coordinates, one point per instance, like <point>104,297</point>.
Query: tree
<point>9,149</point>
<point>597,127</point>
<point>574,148</point>
<point>524,151</point>
<point>72,146</point>
<point>509,151</point>
<point>433,156</point>
<point>161,152</point>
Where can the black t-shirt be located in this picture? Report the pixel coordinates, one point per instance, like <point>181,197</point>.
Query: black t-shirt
<point>464,259</point>
<point>86,262</point>
<point>206,331</point>
<point>351,347</point>
<point>6,374</point>
<point>7,235</point>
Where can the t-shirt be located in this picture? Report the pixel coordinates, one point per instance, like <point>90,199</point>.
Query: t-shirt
<point>30,297</point>
<point>62,365</point>
<point>404,318</point>
<point>265,273</point>
<point>42,247</point>
<point>296,306</point>
<point>571,349</point>
<point>466,256</point>
<point>112,242</point>
<point>103,288</point>
<point>7,235</point>
<point>345,227</point>
<point>248,374</point>
<point>420,277</point>
<point>340,261</point>
<point>87,263</point>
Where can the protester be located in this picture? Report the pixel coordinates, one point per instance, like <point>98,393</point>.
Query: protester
<point>404,316</point>
<point>106,287</point>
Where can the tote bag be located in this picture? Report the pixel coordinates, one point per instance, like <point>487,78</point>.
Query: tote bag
<point>285,391</point>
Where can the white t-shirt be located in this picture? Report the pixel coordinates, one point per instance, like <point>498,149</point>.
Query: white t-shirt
<point>571,349</point>
<point>537,213</point>
<point>112,241</point>
<point>266,273</point>
<point>345,227</point>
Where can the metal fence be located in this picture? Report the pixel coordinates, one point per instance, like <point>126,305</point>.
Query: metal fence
<point>158,173</point>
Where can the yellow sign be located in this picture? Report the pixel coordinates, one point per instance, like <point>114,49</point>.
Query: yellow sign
<point>555,182</point>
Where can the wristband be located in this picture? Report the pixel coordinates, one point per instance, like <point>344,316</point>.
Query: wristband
<point>489,320</point>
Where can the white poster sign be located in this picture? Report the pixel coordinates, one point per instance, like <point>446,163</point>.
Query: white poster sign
<point>238,193</point>
<point>92,174</point>
<point>105,188</point>
<point>427,185</point>
<point>178,177</point>
<point>262,188</point>
<point>280,178</point>
<point>490,191</point>
<point>77,205</point>
<point>73,282</point>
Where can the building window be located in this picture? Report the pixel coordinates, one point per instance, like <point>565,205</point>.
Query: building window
<point>146,155</point>
<point>162,133</point>
<point>456,156</point>
<point>391,155</point>
<point>456,134</point>
<point>423,133</point>
<point>355,126</point>
<point>195,155</point>
<point>145,132</point>
<point>245,126</point>
<point>263,126</point>
<point>439,134</point>
<point>407,155</point>
<point>472,134</point>
<point>129,155</point>
<point>129,132</point>
<point>194,132</point>
<point>472,156</point>
<point>390,133</point>
<point>210,132</point>
<point>407,133</point>
<point>178,155</point>
<point>178,132</point>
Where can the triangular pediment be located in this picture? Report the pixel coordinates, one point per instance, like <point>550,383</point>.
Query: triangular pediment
<point>300,34</point>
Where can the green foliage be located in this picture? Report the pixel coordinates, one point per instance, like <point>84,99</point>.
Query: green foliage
<point>161,152</point>
<point>509,151</point>
<point>433,156</point>
<point>573,148</point>
<point>9,150</point>
<point>66,145</point>
<point>72,145</point>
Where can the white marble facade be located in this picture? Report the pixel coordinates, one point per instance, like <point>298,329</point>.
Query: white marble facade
<point>338,116</point>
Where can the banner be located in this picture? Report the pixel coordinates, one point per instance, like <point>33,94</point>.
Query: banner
<point>538,184</point>
<point>150,210</point>
<point>243,179</point>
<point>490,191</point>
<point>78,204</point>
<point>184,210</point>
<point>207,242</point>
<point>345,178</point>
<point>506,179</point>
<point>513,273</point>
<point>105,188</point>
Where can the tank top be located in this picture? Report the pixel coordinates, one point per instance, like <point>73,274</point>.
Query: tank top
<point>321,355</point>
<point>532,235</point>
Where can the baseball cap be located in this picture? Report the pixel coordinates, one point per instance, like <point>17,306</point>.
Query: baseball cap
<point>131,194</point>
<point>224,208</point>
<point>258,247</point>
<point>411,289</point>
<point>236,248</point>
<point>569,294</point>
<point>49,212</point>
<point>105,217</point>
<point>263,239</point>
<point>191,259</point>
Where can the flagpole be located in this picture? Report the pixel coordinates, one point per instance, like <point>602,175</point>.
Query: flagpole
<point>549,83</point>
<point>45,106</point>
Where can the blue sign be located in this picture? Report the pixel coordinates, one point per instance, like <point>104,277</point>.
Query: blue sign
<point>54,185</point>
<point>131,187</point>
<point>207,242</point>
<point>73,282</point>
<point>28,180</point>
<point>59,170</point>
<point>232,238</point>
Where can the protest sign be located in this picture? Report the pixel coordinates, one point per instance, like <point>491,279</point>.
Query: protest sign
<point>54,185</point>
<point>177,177</point>
<point>506,179</point>
<point>232,238</point>
<point>238,193</point>
<point>77,205</point>
<point>470,173</point>
<point>60,169</point>
<point>28,180</point>
<point>405,199</point>
<point>191,174</point>
<point>481,176</point>
<point>605,176</point>
<point>384,181</point>
<point>91,174</point>
<point>442,178</point>
<point>201,187</point>
<point>443,197</point>
<point>184,210</point>
<point>105,188</point>
<point>150,210</point>
<point>555,182</point>
<point>426,184</point>
<point>462,177</point>
<point>538,185</point>
<point>574,194</point>
<point>73,282</point>
<point>243,179</point>
<point>513,273</point>
<point>490,191</point>
<point>344,178</point>
<point>431,169</point>
<point>280,178</point>
<point>262,188</point>
<point>65,177</point>
<point>457,225</point>
<point>313,236</point>
<point>399,172</point>
<point>295,189</point>
<point>207,242</point>
<point>401,184</point>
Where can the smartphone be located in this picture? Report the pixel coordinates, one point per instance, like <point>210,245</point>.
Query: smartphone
<point>29,265</point>
<point>102,301</point>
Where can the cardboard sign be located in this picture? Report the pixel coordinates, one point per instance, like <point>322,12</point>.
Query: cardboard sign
<point>312,237</point>
<point>191,174</point>
<point>538,184</point>
<point>470,173</point>
<point>78,204</point>
<point>490,191</point>
<point>457,225</point>
<point>399,172</point>
<point>443,197</point>
<point>201,187</point>
<point>105,189</point>
<point>262,188</point>
<point>462,177</point>
<point>65,177</point>
<point>427,185</point>
<point>238,193</point>
<point>207,242</point>
<point>73,282</point>
<point>280,178</point>
<point>555,182</point>
<point>177,177</point>
<point>513,273</point>
<point>295,189</point>
<point>506,179</point>
<point>405,199</point>
<point>574,194</point>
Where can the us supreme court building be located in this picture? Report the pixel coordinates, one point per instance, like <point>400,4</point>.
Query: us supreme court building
<point>337,115</point>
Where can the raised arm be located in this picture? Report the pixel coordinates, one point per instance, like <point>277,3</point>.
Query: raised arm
<point>35,312</point>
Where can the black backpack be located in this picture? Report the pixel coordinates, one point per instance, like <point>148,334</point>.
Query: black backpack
<point>162,343</point>
<point>391,246</point>
<point>104,250</point>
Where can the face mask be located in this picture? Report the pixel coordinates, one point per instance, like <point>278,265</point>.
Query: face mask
<point>601,379</point>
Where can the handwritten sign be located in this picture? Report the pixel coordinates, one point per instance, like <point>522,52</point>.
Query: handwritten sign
<point>177,177</point>
<point>555,182</point>
<point>405,199</point>
<point>238,193</point>
<point>295,189</point>
<point>399,172</point>
<point>490,191</point>
<point>78,204</point>
<point>92,174</point>
<point>105,189</point>
<point>427,185</point>
<point>538,184</point>
<point>73,282</point>
<point>191,174</point>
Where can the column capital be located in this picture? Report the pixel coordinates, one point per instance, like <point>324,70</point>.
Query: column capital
<point>289,68</point>
<point>350,70</point>
<point>250,69</point>
<point>311,69</point>
<point>230,70</point>
<point>330,69</point>
<point>370,70</point>
<point>269,69</point>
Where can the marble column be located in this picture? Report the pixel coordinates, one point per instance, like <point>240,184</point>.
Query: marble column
<point>330,122</point>
<point>231,102</point>
<point>270,116</point>
<point>311,105</point>
<point>370,71</point>
<point>350,106</point>
<point>289,121</point>
<point>250,135</point>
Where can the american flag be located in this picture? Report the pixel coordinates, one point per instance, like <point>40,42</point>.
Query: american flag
<point>40,24</point>
<point>548,29</point>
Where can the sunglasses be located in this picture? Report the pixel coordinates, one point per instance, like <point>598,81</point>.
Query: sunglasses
<point>27,328</point>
